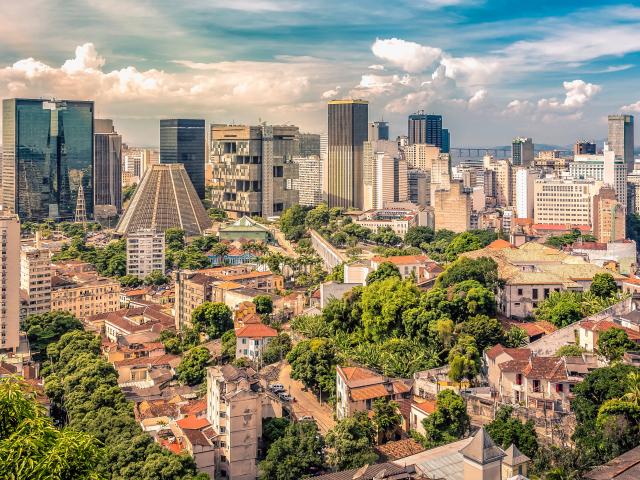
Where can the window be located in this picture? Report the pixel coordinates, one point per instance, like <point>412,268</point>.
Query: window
<point>223,430</point>
<point>546,292</point>
<point>536,386</point>
<point>519,292</point>
<point>559,387</point>
<point>518,379</point>
<point>535,294</point>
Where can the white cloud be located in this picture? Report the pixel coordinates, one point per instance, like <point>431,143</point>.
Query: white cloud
<point>477,98</point>
<point>86,60</point>
<point>577,94</point>
<point>409,56</point>
<point>333,93</point>
<point>437,4</point>
<point>632,107</point>
<point>376,67</point>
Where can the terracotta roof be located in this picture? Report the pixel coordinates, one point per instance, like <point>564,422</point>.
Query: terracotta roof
<point>195,407</point>
<point>403,259</point>
<point>166,359</point>
<point>604,325</point>
<point>256,330</point>
<point>369,472</point>
<point>515,353</point>
<point>192,423</point>
<point>399,449</point>
<point>499,243</point>
<point>624,467</point>
<point>370,392</point>
<point>426,406</point>
<point>550,226</point>
<point>358,376</point>
<point>174,446</point>
<point>549,368</point>
<point>532,328</point>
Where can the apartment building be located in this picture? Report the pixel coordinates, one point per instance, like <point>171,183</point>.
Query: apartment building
<point>562,201</point>
<point>35,279</point>
<point>384,174</point>
<point>452,207</point>
<point>145,252</point>
<point>607,168</point>
<point>421,156</point>
<point>309,181</point>
<point>10,280</point>
<point>84,295</point>
<point>252,168</point>
<point>253,339</point>
<point>399,219</point>
<point>236,407</point>
<point>419,267</point>
<point>609,216</point>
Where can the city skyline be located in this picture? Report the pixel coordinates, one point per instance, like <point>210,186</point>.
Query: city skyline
<point>498,77</point>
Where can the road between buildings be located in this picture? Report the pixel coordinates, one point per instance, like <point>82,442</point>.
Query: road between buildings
<point>306,402</point>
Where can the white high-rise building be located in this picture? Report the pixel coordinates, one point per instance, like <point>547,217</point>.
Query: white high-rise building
<point>35,279</point>
<point>10,280</point>
<point>421,155</point>
<point>524,192</point>
<point>564,201</point>
<point>145,252</point>
<point>384,174</point>
<point>309,181</point>
<point>608,168</point>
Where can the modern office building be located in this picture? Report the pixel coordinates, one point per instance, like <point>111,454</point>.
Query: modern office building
<point>165,199</point>
<point>145,252</point>
<point>378,131</point>
<point>620,138</point>
<point>633,191</point>
<point>446,141</point>
<point>107,166</point>
<point>253,168</point>
<point>10,280</point>
<point>183,141</point>
<point>561,201</point>
<point>35,279</point>
<point>309,181</point>
<point>522,151</point>
<point>384,174</point>
<point>47,156</point>
<point>425,128</point>
<point>584,147</point>
<point>348,130</point>
<point>607,168</point>
<point>309,144</point>
<point>524,192</point>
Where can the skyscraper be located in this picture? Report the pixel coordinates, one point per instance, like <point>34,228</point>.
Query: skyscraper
<point>584,147</point>
<point>521,151</point>
<point>47,155</point>
<point>347,133</point>
<point>425,128</point>
<point>384,174</point>
<point>446,141</point>
<point>309,144</point>
<point>183,141</point>
<point>107,166</point>
<point>252,168</point>
<point>620,138</point>
<point>378,131</point>
<point>309,181</point>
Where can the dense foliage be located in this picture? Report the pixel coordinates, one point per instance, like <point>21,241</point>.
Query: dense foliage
<point>506,429</point>
<point>278,349</point>
<point>449,422</point>
<point>110,261</point>
<point>559,241</point>
<point>193,366</point>
<point>84,393</point>
<point>47,328</point>
<point>351,442</point>
<point>212,318</point>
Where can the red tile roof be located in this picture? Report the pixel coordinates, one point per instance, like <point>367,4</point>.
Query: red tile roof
<point>426,406</point>
<point>499,244</point>
<point>403,259</point>
<point>515,353</point>
<point>256,330</point>
<point>193,423</point>
<point>604,325</point>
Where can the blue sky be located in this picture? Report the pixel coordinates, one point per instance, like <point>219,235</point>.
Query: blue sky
<point>493,69</point>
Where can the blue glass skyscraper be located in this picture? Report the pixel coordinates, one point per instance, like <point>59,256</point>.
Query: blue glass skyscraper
<point>47,155</point>
<point>183,141</point>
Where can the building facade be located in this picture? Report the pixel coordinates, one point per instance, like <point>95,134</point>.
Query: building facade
<point>418,187</point>
<point>84,297</point>
<point>47,156</point>
<point>620,138</point>
<point>253,168</point>
<point>584,147</point>
<point>107,166</point>
<point>384,174</point>
<point>309,144</point>
<point>522,151</point>
<point>309,181</point>
<point>452,208</point>
<point>425,128</point>
<point>348,130</point>
<point>145,252</point>
<point>608,216</point>
<point>183,141</point>
<point>607,168</point>
<point>35,279</point>
<point>524,192</point>
<point>560,201</point>
<point>378,131</point>
<point>10,279</point>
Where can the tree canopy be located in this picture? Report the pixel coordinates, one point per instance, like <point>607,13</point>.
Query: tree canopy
<point>213,318</point>
<point>449,422</point>
<point>193,366</point>
<point>47,328</point>
<point>313,362</point>
<point>603,285</point>
<point>384,270</point>
<point>613,343</point>
<point>351,442</point>
<point>506,429</point>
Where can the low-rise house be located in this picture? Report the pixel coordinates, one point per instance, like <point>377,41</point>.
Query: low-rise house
<point>380,471</point>
<point>245,229</point>
<point>419,411</point>
<point>146,371</point>
<point>234,256</point>
<point>420,267</point>
<point>590,330</point>
<point>534,330</point>
<point>357,388</point>
<point>253,339</point>
<point>151,318</point>
<point>623,467</point>
<point>195,437</point>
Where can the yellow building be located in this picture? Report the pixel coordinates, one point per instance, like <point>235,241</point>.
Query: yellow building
<point>608,216</point>
<point>452,208</point>
<point>84,295</point>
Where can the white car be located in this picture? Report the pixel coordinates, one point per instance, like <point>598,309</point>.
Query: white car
<point>276,387</point>
<point>307,418</point>
<point>285,397</point>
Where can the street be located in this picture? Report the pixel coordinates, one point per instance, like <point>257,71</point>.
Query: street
<point>305,401</point>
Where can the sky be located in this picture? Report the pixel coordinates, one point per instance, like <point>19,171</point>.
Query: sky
<point>494,69</point>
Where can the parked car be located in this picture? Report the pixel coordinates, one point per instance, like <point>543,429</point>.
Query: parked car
<point>276,387</point>
<point>307,418</point>
<point>285,397</point>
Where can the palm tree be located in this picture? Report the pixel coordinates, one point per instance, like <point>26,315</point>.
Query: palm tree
<point>633,388</point>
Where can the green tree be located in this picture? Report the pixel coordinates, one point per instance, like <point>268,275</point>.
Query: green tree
<point>386,418</point>
<point>386,236</point>
<point>277,349</point>
<point>272,429</point>
<point>570,351</point>
<point>217,214</point>
<point>297,454</point>
<point>486,331</point>
<point>228,344</point>
<point>449,422</point>
<point>264,304</point>
<point>337,273</point>
<point>47,328</point>
<point>516,337</point>
<point>385,270</point>
<point>506,429</point>
<point>214,318</point>
<point>130,281</point>
<point>313,362</point>
<point>560,308</point>
<point>193,366</point>
<point>613,343</point>
<point>174,238</point>
<point>416,236</point>
<point>351,442</point>
<point>318,217</point>
<point>127,192</point>
<point>603,285</point>
<point>464,242</point>
<point>483,270</point>
<point>156,278</point>
<point>464,359</point>
<point>292,222</point>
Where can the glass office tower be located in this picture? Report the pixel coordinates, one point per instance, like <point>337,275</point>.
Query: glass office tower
<point>182,141</point>
<point>425,128</point>
<point>47,155</point>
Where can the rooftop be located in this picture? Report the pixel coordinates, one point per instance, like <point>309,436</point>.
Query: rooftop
<point>624,467</point>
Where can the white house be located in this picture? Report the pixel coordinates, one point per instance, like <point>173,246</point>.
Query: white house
<point>252,339</point>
